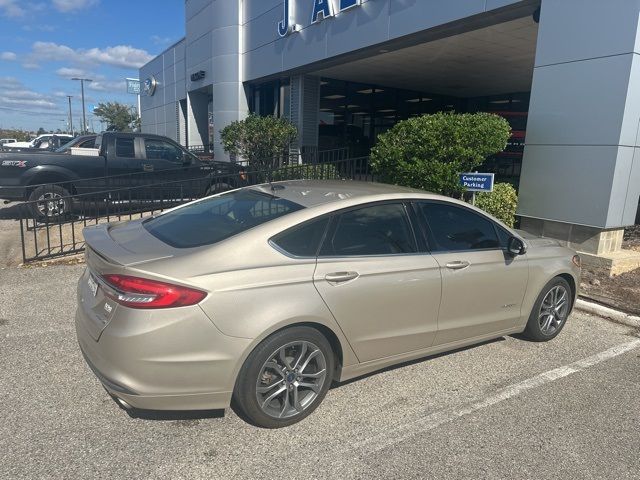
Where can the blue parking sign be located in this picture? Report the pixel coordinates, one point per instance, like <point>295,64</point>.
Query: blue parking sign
<point>477,182</point>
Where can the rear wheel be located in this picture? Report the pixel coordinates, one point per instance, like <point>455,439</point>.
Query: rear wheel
<point>49,203</point>
<point>550,311</point>
<point>285,378</point>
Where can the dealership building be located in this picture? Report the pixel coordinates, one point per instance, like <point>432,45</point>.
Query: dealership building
<point>564,73</point>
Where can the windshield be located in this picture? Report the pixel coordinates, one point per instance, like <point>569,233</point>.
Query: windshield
<point>217,218</point>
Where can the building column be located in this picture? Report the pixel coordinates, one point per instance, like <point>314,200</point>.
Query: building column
<point>229,96</point>
<point>305,112</point>
<point>580,178</point>
<point>197,119</point>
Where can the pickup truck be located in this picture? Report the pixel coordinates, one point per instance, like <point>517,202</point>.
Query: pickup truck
<point>136,165</point>
<point>44,142</point>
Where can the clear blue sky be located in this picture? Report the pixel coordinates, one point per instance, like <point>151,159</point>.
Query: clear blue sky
<point>44,43</point>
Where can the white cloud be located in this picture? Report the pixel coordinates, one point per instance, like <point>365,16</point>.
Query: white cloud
<point>114,86</point>
<point>66,72</point>
<point>73,5</point>
<point>123,56</point>
<point>158,40</point>
<point>8,56</point>
<point>11,8</point>
<point>14,94</point>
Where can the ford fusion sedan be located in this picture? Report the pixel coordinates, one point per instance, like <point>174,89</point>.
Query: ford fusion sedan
<point>266,295</point>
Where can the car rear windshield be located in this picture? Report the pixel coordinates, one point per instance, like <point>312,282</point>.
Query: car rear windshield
<point>217,218</point>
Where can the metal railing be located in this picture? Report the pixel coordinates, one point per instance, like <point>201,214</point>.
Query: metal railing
<point>51,225</point>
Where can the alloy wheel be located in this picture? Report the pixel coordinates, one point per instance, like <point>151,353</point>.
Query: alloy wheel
<point>291,379</point>
<point>554,310</point>
<point>51,205</point>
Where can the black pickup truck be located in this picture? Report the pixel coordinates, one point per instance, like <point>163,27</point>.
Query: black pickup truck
<point>144,166</point>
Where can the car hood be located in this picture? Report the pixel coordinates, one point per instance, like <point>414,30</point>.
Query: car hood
<point>535,241</point>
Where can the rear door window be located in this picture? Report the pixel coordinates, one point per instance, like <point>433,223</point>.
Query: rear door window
<point>217,218</point>
<point>382,229</point>
<point>125,147</point>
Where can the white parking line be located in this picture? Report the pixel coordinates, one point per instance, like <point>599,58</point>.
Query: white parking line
<point>430,422</point>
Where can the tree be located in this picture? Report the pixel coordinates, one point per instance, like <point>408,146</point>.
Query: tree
<point>117,116</point>
<point>429,152</point>
<point>260,140</point>
<point>41,131</point>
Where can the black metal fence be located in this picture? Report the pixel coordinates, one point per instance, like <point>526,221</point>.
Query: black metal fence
<point>51,222</point>
<point>307,155</point>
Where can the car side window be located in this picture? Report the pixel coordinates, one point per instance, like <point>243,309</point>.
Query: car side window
<point>91,143</point>
<point>125,148</point>
<point>455,228</point>
<point>302,240</point>
<point>382,229</point>
<point>161,150</point>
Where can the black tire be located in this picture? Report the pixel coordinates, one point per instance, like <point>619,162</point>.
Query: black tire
<point>50,203</point>
<point>541,314</point>
<point>255,371</point>
<point>217,188</point>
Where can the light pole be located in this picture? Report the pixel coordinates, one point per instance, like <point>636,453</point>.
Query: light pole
<point>84,112</point>
<point>70,115</point>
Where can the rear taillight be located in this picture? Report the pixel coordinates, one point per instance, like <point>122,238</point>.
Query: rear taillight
<point>135,292</point>
<point>243,175</point>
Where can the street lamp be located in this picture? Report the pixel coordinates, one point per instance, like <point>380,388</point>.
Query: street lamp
<point>70,115</point>
<point>84,113</point>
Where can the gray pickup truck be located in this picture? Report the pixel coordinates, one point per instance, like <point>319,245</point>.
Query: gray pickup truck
<point>123,161</point>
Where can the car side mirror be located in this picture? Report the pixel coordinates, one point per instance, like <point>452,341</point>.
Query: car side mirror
<point>516,247</point>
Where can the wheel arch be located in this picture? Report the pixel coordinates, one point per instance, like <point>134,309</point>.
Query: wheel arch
<point>571,281</point>
<point>332,337</point>
<point>50,178</point>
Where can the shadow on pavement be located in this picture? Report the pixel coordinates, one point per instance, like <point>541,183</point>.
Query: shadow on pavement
<point>413,362</point>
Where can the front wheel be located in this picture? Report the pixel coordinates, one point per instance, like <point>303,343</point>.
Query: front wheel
<point>49,203</point>
<point>285,378</point>
<point>550,311</point>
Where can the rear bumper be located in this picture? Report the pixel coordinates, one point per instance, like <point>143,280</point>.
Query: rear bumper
<point>205,401</point>
<point>173,359</point>
<point>13,193</point>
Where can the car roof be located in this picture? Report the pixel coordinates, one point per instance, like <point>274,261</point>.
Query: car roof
<point>312,193</point>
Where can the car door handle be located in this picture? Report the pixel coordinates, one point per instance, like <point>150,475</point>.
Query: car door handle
<point>341,277</point>
<point>459,265</point>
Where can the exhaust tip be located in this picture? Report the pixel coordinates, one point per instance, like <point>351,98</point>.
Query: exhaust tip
<point>122,403</point>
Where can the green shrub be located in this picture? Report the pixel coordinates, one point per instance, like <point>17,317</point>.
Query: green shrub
<point>320,171</point>
<point>262,141</point>
<point>429,152</point>
<point>501,203</point>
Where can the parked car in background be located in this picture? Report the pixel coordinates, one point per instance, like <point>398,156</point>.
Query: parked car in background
<point>267,294</point>
<point>141,166</point>
<point>82,141</point>
<point>43,142</point>
<point>6,141</point>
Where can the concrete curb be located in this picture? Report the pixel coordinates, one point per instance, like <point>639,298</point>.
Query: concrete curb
<point>608,313</point>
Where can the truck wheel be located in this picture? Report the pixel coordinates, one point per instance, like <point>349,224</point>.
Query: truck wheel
<point>49,202</point>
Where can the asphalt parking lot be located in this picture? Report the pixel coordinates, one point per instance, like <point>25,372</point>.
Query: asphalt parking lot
<point>504,409</point>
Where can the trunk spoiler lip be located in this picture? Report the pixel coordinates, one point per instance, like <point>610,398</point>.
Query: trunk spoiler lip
<point>97,238</point>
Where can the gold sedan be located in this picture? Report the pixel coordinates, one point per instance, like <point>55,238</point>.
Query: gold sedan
<point>266,295</point>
